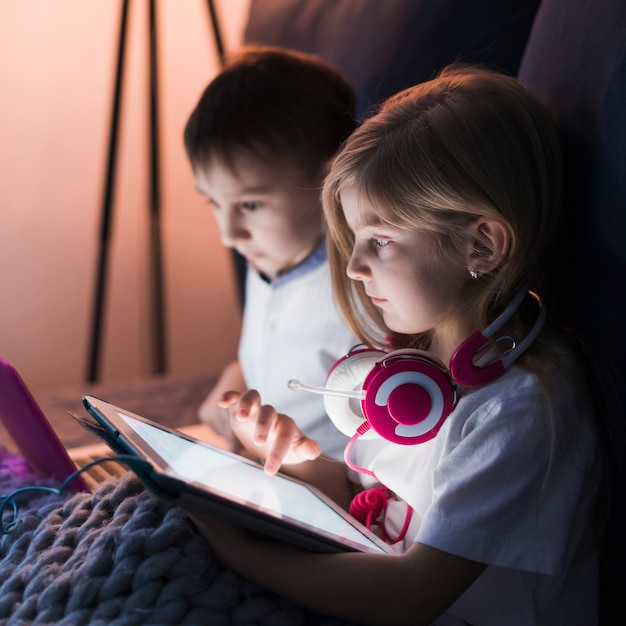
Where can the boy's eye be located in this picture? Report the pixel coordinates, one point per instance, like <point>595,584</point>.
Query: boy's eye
<point>250,205</point>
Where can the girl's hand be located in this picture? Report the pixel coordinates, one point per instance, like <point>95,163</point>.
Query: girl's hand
<point>229,542</point>
<point>266,433</point>
<point>215,416</point>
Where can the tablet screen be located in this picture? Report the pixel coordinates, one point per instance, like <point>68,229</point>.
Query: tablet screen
<point>242,482</point>
<point>235,479</point>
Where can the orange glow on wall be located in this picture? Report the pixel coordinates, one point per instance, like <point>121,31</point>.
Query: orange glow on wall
<point>57,66</point>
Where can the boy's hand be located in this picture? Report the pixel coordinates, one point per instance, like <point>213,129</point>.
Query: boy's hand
<point>266,433</point>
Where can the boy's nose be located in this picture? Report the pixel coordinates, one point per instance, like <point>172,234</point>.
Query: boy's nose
<point>232,229</point>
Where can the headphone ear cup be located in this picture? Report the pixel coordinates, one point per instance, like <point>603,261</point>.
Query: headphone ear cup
<point>409,394</point>
<point>349,373</point>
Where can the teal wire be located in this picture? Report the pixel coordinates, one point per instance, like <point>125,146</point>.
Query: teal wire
<point>6,500</point>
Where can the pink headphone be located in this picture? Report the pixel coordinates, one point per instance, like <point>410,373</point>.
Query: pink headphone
<point>405,396</point>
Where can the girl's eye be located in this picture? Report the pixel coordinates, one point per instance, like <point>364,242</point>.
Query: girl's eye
<point>380,243</point>
<point>250,206</point>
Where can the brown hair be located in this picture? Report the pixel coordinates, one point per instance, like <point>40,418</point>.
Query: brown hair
<point>272,103</point>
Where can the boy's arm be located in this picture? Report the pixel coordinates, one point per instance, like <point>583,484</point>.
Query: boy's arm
<point>213,415</point>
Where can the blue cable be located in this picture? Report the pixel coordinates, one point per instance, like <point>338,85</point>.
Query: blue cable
<point>9,500</point>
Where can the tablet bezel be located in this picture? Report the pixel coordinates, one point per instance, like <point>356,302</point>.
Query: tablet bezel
<point>164,481</point>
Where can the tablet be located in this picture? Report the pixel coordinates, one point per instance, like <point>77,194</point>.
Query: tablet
<point>207,479</point>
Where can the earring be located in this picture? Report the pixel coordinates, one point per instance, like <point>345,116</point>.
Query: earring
<point>473,273</point>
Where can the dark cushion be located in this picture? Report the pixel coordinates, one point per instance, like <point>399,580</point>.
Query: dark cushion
<point>576,61</point>
<point>383,46</point>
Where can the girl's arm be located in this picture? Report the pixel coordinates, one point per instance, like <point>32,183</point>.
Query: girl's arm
<point>412,588</point>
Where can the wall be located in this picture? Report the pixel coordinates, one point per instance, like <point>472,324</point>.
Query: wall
<point>57,66</point>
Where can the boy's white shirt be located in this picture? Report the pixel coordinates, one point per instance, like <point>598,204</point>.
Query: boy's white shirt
<point>479,490</point>
<point>292,329</point>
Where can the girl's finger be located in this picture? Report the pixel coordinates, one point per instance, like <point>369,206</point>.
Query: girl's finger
<point>249,404</point>
<point>307,449</point>
<point>228,398</point>
<point>266,419</point>
<point>282,439</point>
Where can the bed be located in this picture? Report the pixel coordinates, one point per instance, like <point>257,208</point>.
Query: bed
<point>119,555</point>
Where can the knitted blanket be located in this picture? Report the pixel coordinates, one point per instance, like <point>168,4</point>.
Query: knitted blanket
<point>121,556</point>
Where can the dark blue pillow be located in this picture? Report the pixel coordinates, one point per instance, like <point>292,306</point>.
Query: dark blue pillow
<point>383,46</point>
<point>576,61</point>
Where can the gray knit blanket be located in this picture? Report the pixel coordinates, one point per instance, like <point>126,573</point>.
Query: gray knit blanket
<point>122,556</point>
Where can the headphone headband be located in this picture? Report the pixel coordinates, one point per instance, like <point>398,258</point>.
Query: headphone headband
<point>462,366</point>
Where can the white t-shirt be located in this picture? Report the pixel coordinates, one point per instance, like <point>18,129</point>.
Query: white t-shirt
<point>483,490</point>
<point>293,329</point>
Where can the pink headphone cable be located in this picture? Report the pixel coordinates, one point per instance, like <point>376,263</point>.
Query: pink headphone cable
<point>370,506</point>
<point>362,429</point>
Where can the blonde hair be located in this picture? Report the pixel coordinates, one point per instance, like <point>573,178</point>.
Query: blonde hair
<point>472,142</point>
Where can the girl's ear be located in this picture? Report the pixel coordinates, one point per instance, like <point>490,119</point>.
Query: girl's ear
<point>489,243</point>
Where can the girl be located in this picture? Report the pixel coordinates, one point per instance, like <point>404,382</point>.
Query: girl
<point>441,208</point>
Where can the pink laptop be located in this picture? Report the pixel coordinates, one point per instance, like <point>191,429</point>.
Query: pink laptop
<point>31,431</point>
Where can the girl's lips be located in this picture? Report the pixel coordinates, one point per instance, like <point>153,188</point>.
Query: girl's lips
<point>376,301</point>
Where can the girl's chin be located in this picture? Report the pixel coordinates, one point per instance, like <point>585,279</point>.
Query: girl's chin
<point>397,326</point>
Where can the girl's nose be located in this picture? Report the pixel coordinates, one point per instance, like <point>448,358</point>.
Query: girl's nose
<point>357,269</point>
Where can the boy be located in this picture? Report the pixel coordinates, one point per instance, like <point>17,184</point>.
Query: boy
<point>260,141</point>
